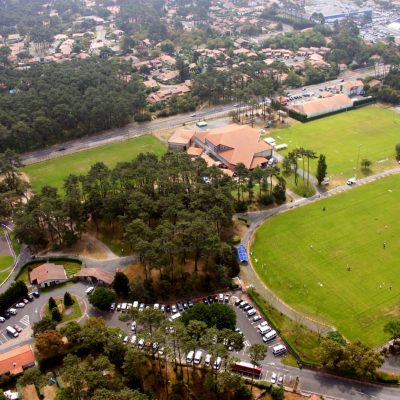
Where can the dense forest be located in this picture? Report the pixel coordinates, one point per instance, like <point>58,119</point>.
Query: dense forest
<point>65,101</point>
<point>175,214</point>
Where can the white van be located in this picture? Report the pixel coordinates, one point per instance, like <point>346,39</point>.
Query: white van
<point>264,329</point>
<point>251,312</point>
<point>12,332</point>
<point>189,357</point>
<point>269,336</point>
<point>221,298</point>
<point>89,290</point>
<point>124,307</point>
<point>175,316</point>
<point>217,363</point>
<point>278,350</point>
<point>197,357</point>
<point>207,360</point>
<point>135,304</point>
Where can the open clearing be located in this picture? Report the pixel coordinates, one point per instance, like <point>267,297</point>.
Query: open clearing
<point>332,264</point>
<point>53,172</point>
<point>370,132</point>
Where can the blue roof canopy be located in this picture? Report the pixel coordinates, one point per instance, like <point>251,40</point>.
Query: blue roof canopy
<point>242,254</point>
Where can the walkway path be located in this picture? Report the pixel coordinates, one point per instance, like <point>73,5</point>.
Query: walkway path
<point>256,218</point>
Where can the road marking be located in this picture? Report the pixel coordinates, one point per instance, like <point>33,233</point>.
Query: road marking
<point>4,338</point>
<point>25,320</point>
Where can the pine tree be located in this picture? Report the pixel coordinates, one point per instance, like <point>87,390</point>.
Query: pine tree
<point>68,300</point>
<point>52,304</point>
<point>321,168</point>
<point>56,315</point>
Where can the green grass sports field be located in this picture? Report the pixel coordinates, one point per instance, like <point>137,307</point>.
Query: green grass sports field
<point>53,172</point>
<point>332,264</point>
<point>375,128</point>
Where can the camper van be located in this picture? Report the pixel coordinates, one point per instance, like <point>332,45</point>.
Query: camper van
<point>269,336</point>
<point>12,332</point>
<point>189,357</point>
<point>197,357</point>
<point>264,329</point>
<point>278,350</point>
<point>207,360</point>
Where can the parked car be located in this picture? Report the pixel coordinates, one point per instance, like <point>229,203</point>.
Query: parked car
<point>12,311</point>
<point>174,309</point>
<point>133,339</point>
<point>113,307</point>
<point>141,344</point>
<point>126,339</point>
<point>133,326</point>
<point>119,305</point>
<point>30,297</point>
<point>26,301</point>
<point>190,303</point>
<point>226,298</point>
<point>17,328</point>
<point>20,305</point>
<point>256,318</point>
<point>2,319</point>
<point>7,315</point>
<point>36,294</point>
<point>273,377</point>
<point>280,380</point>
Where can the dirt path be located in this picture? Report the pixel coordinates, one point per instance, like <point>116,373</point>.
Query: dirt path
<point>89,247</point>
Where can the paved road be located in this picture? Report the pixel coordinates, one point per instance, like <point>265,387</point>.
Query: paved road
<point>135,129</point>
<point>256,218</point>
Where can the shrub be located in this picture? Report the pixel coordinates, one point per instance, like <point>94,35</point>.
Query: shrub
<point>266,199</point>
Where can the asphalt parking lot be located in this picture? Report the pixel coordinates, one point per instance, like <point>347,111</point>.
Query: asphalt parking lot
<point>30,314</point>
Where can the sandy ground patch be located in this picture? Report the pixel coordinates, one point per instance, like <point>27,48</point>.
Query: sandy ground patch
<point>50,392</point>
<point>88,247</point>
<point>29,393</point>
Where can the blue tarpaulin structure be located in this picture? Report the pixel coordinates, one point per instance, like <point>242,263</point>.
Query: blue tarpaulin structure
<point>242,254</point>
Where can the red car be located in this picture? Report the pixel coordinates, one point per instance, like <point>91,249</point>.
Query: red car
<point>17,328</point>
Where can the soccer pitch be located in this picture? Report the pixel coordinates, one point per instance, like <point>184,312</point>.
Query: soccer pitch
<point>53,172</point>
<point>328,259</point>
<point>369,132</point>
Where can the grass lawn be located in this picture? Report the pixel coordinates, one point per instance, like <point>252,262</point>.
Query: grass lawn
<point>339,137</point>
<point>302,189</point>
<point>53,172</point>
<point>69,313</point>
<point>5,262</point>
<point>332,264</point>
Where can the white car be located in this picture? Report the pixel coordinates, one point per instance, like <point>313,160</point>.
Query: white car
<point>2,319</point>
<point>126,339</point>
<point>174,309</point>
<point>133,339</point>
<point>256,318</point>
<point>20,305</point>
<point>273,377</point>
<point>280,380</point>
<point>133,326</point>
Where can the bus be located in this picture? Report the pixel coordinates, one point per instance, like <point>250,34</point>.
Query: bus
<point>246,368</point>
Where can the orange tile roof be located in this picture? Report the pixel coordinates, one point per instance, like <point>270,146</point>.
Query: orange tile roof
<point>46,272</point>
<point>15,360</point>
<point>321,106</point>
<point>97,273</point>
<point>194,151</point>
<point>242,141</point>
<point>181,136</point>
<point>352,84</point>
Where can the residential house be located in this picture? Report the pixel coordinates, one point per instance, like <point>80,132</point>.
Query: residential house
<point>168,77</point>
<point>352,88</point>
<point>47,274</point>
